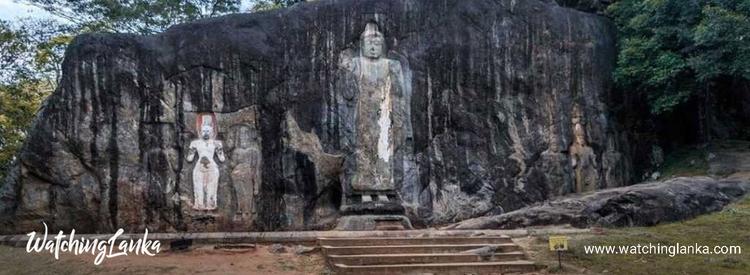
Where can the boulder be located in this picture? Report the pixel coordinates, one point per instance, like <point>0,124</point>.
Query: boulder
<point>637,205</point>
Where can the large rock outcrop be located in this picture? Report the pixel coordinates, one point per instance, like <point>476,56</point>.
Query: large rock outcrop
<point>507,107</point>
<point>598,6</point>
<point>637,205</point>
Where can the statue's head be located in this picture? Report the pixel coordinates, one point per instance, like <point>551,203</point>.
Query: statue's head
<point>206,131</point>
<point>207,128</point>
<point>372,41</point>
<point>579,134</point>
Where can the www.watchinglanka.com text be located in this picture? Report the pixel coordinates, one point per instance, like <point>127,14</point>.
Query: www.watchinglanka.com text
<point>670,250</point>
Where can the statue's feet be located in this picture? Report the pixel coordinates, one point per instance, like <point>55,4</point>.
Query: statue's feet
<point>366,198</point>
<point>379,198</point>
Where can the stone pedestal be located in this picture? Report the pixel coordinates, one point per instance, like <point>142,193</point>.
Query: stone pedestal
<point>372,203</point>
<point>374,211</point>
<point>373,222</point>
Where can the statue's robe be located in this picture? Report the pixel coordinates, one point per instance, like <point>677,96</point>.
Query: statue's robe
<point>371,116</point>
<point>206,173</point>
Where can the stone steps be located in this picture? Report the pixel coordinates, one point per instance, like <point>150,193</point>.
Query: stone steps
<point>441,268</point>
<point>381,259</point>
<point>418,248</point>
<point>419,255</point>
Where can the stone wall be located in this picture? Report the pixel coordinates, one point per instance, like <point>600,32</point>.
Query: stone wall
<point>503,97</point>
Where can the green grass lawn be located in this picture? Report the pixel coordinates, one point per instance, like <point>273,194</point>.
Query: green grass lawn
<point>685,162</point>
<point>694,160</point>
<point>728,227</point>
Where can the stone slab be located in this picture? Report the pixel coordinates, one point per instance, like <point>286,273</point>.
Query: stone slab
<point>373,222</point>
<point>363,241</point>
<point>380,259</point>
<point>441,268</point>
<point>421,249</point>
<point>309,237</point>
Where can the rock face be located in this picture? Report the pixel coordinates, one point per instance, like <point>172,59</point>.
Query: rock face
<point>497,92</point>
<point>598,6</point>
<point>637,205</point>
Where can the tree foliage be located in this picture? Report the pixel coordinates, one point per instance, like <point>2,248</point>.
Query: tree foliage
<point>264,5</point>
<point>135,16</point>
<point>671,50</point>
<point>18,106</point>
<point>29,71</point>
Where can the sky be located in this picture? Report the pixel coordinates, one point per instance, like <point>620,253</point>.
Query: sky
<point>10,10</point>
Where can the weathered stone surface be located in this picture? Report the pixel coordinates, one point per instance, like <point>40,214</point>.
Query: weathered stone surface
<point>277,248</point>
<point>598,6</point>
<point>373,222</point>
<point>637,205</point>
<point>491,86</point>
<point>301,249</point>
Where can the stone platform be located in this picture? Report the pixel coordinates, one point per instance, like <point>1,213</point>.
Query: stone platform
<point>301,237</point>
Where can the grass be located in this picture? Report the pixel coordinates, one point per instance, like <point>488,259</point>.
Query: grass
<point>685,162</point>
<point>727,227</point>
<point>693,160</point>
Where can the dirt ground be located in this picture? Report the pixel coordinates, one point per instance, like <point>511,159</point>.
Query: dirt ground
<point>199,260</point>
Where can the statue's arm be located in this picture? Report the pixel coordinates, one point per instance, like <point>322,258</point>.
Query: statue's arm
<point>346,90</point>
<point>255,163</point>
<point>220,151</point>
<point>258,179</point>
<point>191,153</point>
<point>400,115</point>
<point>346,83</point>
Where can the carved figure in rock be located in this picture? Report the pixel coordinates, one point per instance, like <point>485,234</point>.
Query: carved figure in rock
<point>206,170</point>
<point>372,112</point>
<point>583,158</point>
<point>558,171</point>
<point>613,165</point>
<point>246,167</point>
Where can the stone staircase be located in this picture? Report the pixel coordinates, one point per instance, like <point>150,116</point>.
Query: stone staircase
<point>425,255</point>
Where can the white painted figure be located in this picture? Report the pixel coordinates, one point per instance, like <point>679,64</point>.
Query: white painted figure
<point>206,171</point>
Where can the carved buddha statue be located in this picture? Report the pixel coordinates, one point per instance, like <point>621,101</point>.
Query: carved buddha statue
<point>206,170</point>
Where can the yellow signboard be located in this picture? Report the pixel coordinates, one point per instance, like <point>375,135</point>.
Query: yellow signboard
<point>558,243</point>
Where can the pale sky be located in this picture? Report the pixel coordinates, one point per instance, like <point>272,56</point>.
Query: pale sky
<point>11,10</point>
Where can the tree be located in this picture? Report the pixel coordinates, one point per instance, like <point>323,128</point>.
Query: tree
<point>672,50</point>
<point>135,16</point>
<point>13,49</point>
<point>34,50</point>
<point>264,5</point>
<point>18,106</point>
<point>29,71</point>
